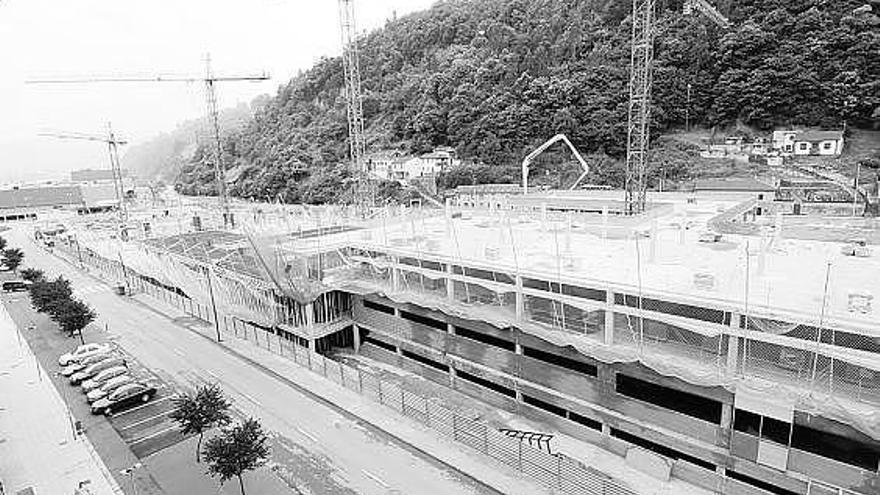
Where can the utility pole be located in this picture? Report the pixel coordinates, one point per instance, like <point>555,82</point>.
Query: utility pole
<point>687,110</point>
<point>210,80</point>
<point>364,190</point>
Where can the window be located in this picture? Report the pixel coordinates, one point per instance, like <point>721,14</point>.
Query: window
<point>532,401</point>
<point>426,361</point>
<point>379,343</point>
<point>378,307</point>
<point>687,403</point>
<point>486,339</point>
<point>759,483</point>
<point>762,427</point>
<point>588,422</point>
<point>424,320</point>
<point>486,383</point>
<point>562,362</point>
<point>660,449</point>
<point>826,146</point>
<point>804,146</point>
<point>848,450</point>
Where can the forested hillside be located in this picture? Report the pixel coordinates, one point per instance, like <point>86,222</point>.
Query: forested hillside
<point>495,78</point>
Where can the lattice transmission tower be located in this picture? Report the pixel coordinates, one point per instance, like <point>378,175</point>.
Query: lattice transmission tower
<point>364,190</point>
<point>638,123</point>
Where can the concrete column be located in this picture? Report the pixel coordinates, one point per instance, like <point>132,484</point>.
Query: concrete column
<point>310,316</point>
<point>313,345</point>
<point>395,278</point>
<point>450,284</point>
<point>356,337</point>
<point>520,299</point>
<point>609,318</point>
<point>606,429</point>
<point>452,377</point>
<point>726,423</point>
<point>733,344</point>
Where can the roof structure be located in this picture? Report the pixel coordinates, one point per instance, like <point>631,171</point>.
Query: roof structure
<point>37,197</point>
<point>814,136</point>
<point>737,185</point>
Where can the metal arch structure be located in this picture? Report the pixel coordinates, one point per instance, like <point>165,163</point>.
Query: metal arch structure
<point>527,161</point>
<point>357,143</point>
<point>639,114</point>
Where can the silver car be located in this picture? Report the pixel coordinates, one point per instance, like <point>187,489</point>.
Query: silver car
<point>96,357</point>
<point>93,369</point>
<point>108,387</point>
<point>102,377</point>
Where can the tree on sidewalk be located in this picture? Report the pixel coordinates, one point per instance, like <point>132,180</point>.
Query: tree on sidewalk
<point>46,294</point>
<point>201,411</point>
<point>12,258</point>
<point>72,315</point>
<point>236,451</point>
<point>33,274</point>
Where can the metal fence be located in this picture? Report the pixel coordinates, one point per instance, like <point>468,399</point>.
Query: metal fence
<point>557,472</point>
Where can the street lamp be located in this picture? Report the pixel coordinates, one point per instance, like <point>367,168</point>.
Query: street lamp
<point>129,471</point>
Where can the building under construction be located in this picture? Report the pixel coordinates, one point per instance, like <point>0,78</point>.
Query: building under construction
<point>703,330</point>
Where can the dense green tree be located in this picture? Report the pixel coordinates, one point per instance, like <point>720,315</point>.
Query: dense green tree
<point>496,78</point>
<point>32,274</point>
<point>72,316</point>
<point>46,294</point>
<point>237,450</point>
<point>200,411</point>
<point>12,258</point>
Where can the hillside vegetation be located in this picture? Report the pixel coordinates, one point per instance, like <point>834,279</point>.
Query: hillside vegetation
<point>495,78</point>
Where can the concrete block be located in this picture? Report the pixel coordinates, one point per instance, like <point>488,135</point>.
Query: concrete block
<point>654,465</point>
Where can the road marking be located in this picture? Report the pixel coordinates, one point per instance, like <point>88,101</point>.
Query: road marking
<point>138,423</point>
<point>153,435</point>
<point>148,403</point>
<point>178,352</point>
<point>213,374</point>
<point>374,478</point>
<point>307,434</point>
<point>248,397</point>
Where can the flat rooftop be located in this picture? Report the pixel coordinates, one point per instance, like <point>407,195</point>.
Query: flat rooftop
<point>661,255</point>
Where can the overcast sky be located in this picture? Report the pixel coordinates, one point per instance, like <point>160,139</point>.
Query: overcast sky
<point>123,37</point>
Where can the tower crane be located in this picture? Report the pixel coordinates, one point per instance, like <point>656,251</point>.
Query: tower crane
<point>365,191</point>
<point>640,83</point>
<point>113,144</point>
<point>210,81</point>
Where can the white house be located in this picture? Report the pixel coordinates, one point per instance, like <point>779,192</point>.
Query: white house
<point>806,143</point>
<point>391,166</point>
<point>825,143</point>
<point>783,141</point>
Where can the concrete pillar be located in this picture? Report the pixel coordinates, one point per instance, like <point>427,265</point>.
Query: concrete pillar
<point>395,277</point>
<point>450,284</point>
<point>609,318</point>
<point>606,429</point>
<point>310,316</point>
<point>733,344</point>
<point>452,377</point>
<point>313,345</point>
<point>726,423</point>
<point>356,337</point>
<point>520,299</point>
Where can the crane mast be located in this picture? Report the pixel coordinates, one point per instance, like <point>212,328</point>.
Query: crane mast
<point>354,103</point>
<point>639,115</point>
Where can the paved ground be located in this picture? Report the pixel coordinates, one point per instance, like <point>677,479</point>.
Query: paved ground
<point>38,445</point>
<point>317,449</point>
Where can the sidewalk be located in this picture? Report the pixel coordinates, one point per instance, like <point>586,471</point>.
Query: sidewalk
<point>39,450</point>
<point>420,437</point>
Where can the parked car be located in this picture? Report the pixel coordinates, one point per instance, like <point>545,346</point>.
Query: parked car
<point>108,387</point>
<point>124,397</point>
<point>16,286</point>
<point>102,377</point>
<point>94,369</point>
<point>72,368</point>
<point>81,352</point>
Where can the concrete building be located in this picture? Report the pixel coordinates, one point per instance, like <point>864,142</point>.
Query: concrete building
<point>736,365</point>
<point>393,166</point>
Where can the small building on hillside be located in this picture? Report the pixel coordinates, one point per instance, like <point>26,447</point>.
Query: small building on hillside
<point>736,186</point>
<point>823,143</point>
<point>393,166</point>
<point>808,142</point>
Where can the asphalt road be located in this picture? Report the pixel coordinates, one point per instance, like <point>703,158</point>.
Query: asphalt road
<point>315,448</point>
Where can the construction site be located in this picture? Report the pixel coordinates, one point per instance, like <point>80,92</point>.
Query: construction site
<point>726,341</point>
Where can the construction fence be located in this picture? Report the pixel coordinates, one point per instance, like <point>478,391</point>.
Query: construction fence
<point>555,471</point>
